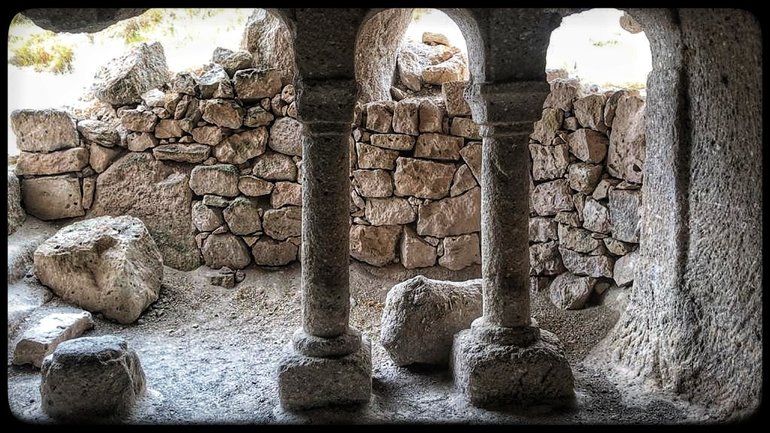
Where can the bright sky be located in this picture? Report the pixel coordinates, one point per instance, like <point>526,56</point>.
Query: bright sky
<point>622,57</point>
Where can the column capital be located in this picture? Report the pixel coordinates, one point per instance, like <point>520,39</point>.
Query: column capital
<point>500,105</point>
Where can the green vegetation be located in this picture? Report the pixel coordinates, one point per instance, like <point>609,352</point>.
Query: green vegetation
<point>602,44</point>
<point>42,51</point>
<point>136,29</point>
<point>418,13</point>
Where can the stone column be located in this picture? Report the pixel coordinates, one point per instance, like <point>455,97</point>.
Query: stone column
<point>327,362</point>
<point>505,358</point>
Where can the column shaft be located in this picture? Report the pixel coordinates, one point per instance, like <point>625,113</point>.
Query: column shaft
<point>325,232</point>
<point>505,229</point>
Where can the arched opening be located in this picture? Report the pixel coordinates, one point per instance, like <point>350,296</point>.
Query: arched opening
<point>415,158</point>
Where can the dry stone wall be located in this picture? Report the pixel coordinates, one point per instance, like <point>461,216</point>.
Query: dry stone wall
<point>211,161</point>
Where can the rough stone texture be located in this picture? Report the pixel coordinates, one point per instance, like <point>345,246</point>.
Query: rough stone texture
<point>624,214</point>
<point>617,247</point>
<point>375,157</point>
<point>100,158</point>
<point>373,183</point>
<point>431,115</point>
<point>471,154</point>
<point>578,239</point>
<point>405,117</point>
<point>584,177</point>
<point>563,94</point>
<point>123,80</point>
<point>205,218</point>
<point>222,112</point>
<point>414,57</point>
<point>43,130</point>
<point>422,179</point>
<point>232,61</point>
<point>460,251</point>
<point>225,250</point>
<point>138,120</point>
<point>548,162</point>
<point>218,179</point>
<point>421,317</point>
<point>282,223</point>
<point>45,335</point>
<point>389,211</point>
<point>268,252</point>
<point>544,259</point>
<point>596,216</point>
<point>438,146</point>
<point>626,153</point>
<point>257,116</point>
<point>167,128</point>
<point>588,145</point>
<point>104,374</point>
<point>570,292</point>
<point>141,141</point>
<point>415,252</point>
<point>275,166</point>
<point>242,216</point>
<point>286,136</point>
<point>589,111</point>
<point>545,128</point>
<point>462,181</point>
<point>158,194</point>
<point>582,264</point>
<point>52,197</point>
<point>306,382</point>
<point>187,153</point>
<point>551,197</point>
<point>465,127</point>
<point>453,69</point>
<point>16,214</point>
<point>64,161</point>
<point>623,273</point>
<point>542,229</point>
<point>254,186</point>
<point>451,216</point>
<point>107,265</point>
<point>86,20</point>
<point>393,141</point>
<point>492,375</point>
<point>604,187</point>
<point>454,100</point>
<point>99,132</point>
<point>286,193</point>
<point>239,148</point>
<point>381,34</point>
<point>270,42</point>
<point>254,84</point>
<point>375,245</point>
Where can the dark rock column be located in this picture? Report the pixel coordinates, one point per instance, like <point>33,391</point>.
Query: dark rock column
<point>327,362</point>
<point>505,358</point>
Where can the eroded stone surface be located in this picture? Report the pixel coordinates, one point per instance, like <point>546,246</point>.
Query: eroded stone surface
<point>45,335</point>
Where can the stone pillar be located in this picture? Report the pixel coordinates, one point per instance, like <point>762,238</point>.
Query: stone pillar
<point>505,358</point>
<point>327,362</point>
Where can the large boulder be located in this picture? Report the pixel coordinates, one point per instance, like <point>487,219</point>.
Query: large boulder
<point>16,215</point>
<point>91,377</point>
<point>569,291</point>
<point>158,194</point>
<point>270,42</point>
<point>107,265</point>
<point>123,80</point>
<point>52,197</point>
<point>421,317</point>
<point>382,34</point>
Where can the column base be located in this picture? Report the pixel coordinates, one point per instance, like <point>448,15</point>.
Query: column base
<point>306,382</point>
<point>494,374</point>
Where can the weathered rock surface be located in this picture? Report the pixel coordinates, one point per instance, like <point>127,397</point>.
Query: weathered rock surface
<point>589,111</point>
<point>454,99</point>
<point>584,177</point>
<point>286,136</point>
<point>43,130</point>
<point>187,153</point>
<point>623,274</point>
<point>286,193</point>
<point>438,146</point>
<point>373,183</point>
<point>104,374</point>
<point>389,211</point>
<point>282,223</point>
<point>551,197</point>
<point>421,316</point>
<point>270,42</point>
<point>471,154</point>
<point>242,216</point>
<point>255,84</point>
<point>596,216</point>
<point>275,166</point>
<point>548,162</point>
<point>45,335</point>
<point>205,218</point>
<point>545,128</point>
<point>626,153</point>
<point>225,250</point>
<point>159,195</point>
<point>624,214</point>
<point>106,265</point>
<point>97,131</point>
<point>591,265</point>
<point>393,141</point>
<point>16,214</point>
<point>451,216</point>
<point>544,259</point>
<point>253,186</point>
<point>415,252</point>
<point>52,197</point>
<point>463,181</point>
<point>218,179</point>
<point>460,251</point>
<point>222,112</point>
<point>374,157</point>
<point>422,179</point>
<point>588,145</point>
<point>123,80</point>
<point>241,147</point>
<point>375,245</point>
<point>570,292</point>
<point>268,252</point>
<point>100,158</point>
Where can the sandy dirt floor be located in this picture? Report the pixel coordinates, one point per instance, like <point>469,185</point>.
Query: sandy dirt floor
<point>210,355</point>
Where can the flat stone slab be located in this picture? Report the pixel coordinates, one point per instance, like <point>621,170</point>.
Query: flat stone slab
<point>493,375</point>
<point>44,337</point>
<point>306,382</point>
<point>90,378</point>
